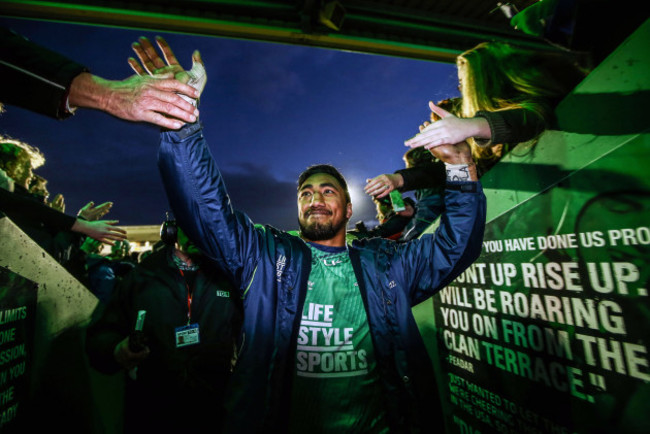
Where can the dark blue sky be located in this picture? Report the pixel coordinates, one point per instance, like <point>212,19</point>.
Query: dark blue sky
<point>269,111</point>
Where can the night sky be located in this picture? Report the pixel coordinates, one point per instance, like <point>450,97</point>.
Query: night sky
<point>269,111</point>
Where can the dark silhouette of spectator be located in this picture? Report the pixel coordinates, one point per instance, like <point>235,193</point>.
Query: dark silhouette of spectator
<point>391,223</point>
<point>99,275</point>
<point>120,257</point>
<point>178,371</point>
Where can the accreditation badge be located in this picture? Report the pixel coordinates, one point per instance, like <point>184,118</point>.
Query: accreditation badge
<point>187,335</point>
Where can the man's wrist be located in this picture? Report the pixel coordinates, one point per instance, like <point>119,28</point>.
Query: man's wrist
<point>87,90</point>
<point>398,180</point>
<point>463,172</point>
<point>185,131</point>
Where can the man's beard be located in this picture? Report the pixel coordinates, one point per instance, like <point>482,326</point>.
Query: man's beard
<point>320,231</point>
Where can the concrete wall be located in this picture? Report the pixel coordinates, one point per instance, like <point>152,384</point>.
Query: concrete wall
<point>62,390</point>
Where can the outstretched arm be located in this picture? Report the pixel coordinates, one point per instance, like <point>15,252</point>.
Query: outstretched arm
<point>49,83</point>
<point>156,100</point>
<point>434,260</point>
<point>198,197</point>
<point>381,186</point>
<point>91,212</point>
<point>449,130</point>
<point>193,183</point>
<point>446,141</point>
<point>100,230</point>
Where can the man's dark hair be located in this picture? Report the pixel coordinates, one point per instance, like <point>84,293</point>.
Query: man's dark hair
<point>328,170</point>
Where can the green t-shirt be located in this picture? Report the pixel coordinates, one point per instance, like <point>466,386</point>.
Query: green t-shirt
<point>336,383</point>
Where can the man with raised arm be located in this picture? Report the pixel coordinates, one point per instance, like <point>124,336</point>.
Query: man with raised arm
<point>329,340</point>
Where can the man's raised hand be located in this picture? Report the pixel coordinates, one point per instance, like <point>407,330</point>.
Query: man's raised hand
<point>150,61</point>
<point>152,64</point>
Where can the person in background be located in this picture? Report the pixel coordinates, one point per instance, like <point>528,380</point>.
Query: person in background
<point>102,272</point>
<point>179,364</point>
<point>38,220</point>
<point>508,96</point>
<point>391,222</point>
<point>120,251</point>
<point>38,187</point>
<point>425,174</point>
<point>120,258</point>
<point>99,277</point>
<point>18,160</point>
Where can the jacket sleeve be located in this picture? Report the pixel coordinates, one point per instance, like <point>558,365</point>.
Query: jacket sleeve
<point>432,261</point>
<point>514,125</point>
<point>432,175</point>
<point>17,207</point>
<point>34,77</point>
<point>201,205</point>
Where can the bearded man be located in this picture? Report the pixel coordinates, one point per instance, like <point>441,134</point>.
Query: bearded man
<point>329,339</point>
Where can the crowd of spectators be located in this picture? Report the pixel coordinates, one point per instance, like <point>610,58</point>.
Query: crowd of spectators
<point>76,241</point>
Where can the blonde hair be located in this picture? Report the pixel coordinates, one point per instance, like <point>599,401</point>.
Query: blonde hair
<point>12,148</point>
<point>496,76</point>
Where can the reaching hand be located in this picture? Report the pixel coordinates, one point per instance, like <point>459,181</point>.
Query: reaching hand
<point>156,100</point>
<point>449,130</point>
<point>381,186</point>
<point>58,203</point>
<point>127,358</point>
<point>91,212</point>
<point>432,118</point>
<point>153,65</point>
<point>101,230</point>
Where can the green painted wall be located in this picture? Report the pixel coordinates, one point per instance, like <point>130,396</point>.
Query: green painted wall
<point>548,331</point>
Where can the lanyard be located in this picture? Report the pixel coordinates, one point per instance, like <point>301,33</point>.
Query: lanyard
<point>190,293</point>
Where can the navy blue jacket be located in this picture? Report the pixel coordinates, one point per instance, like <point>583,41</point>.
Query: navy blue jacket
<point>271,267</point>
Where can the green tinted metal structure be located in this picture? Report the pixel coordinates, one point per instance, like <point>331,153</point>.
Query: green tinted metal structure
<point>426,30</point>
